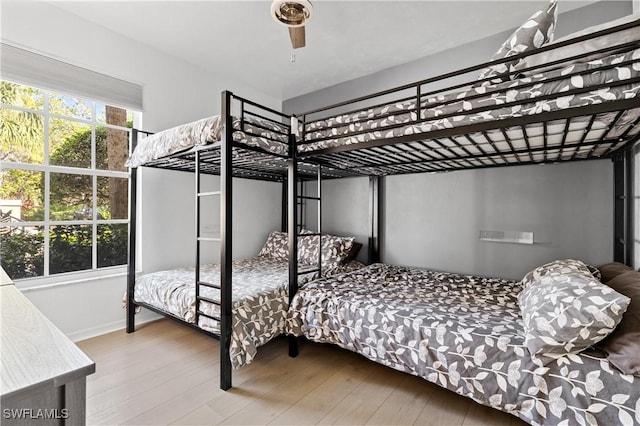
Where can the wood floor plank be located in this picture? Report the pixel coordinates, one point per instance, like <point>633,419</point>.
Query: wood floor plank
<point>405,403</point>
<point>443,408</point>
<point>481,415</point>
<point>152,362</point>
<point>259,382</point>
<point>114,390</point>
<point>294,387</point>
<point>184,404</point>
<point>314,406</point>
<point>145,334</point>
<point>162,394</point>
<point>361,403</point>
<point>166,373</point>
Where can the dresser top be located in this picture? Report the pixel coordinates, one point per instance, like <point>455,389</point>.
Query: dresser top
<point>33,351</point>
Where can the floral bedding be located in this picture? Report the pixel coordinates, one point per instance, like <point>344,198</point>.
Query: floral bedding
<point>464,108</point>
<point>466,334</point>
<point>254,132</point>
<point>259,294</point>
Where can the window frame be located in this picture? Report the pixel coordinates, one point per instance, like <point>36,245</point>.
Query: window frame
<point>47,169</point>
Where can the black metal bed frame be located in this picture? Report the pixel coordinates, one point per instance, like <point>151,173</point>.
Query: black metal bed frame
<point>432,151</point>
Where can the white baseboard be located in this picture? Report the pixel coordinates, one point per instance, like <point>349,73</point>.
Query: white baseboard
<point>87,333</point>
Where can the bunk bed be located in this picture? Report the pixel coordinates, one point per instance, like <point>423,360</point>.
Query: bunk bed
<point>573,100</point>
<point>241,302</point>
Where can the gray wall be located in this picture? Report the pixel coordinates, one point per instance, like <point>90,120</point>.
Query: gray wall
<point>434,220</point>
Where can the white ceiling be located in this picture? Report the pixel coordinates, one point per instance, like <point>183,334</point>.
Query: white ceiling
<point>345,39</point>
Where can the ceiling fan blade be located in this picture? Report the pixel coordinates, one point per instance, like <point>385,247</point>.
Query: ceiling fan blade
<point>297,37</point>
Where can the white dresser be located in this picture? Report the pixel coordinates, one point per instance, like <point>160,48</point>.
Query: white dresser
<point>42,373</point>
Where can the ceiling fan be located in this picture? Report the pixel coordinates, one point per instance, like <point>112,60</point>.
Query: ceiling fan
<point>293,14</point>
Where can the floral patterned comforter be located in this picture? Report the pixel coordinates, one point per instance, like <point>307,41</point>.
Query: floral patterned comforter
<point>535,94</point>
<point>464,333</point>
<point>259,294</point>
<point>254,132</point>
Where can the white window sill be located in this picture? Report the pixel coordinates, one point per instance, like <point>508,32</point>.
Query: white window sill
<point>72,278</point>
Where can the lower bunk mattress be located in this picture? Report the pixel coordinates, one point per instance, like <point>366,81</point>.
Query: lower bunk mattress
<point>463,333</point>
<point>259,292</point>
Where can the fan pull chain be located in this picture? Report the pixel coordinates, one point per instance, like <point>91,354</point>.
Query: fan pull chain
<point>293,56</point>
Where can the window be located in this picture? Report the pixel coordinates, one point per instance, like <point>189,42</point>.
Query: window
<point>64,187</point>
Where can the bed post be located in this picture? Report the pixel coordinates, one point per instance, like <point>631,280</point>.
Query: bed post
<point>373,254</point>
<point>285,189</point>
<point>226,237</point>
<point>622,218</point>
<point>292,181</point>
<point>131,266</point>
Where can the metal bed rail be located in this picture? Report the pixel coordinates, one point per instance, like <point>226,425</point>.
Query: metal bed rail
<point>486,142</point>
<point>329,110</point>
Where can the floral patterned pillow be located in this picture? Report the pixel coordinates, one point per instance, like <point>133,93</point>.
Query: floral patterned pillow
<point>566,310</point>
<point>535,32</point>
<point>335,250</point>
<point>276,246</point>
<point>565,266</point>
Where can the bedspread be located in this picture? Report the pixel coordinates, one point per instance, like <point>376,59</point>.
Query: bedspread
<point>464,333</point>
<point>260,299</point>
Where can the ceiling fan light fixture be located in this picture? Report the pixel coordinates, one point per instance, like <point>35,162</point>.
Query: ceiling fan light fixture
<point>291,13</point>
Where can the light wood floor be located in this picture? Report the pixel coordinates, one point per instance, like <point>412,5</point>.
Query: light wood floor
<point>167,373</point>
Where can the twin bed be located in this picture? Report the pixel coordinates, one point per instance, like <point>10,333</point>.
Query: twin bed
<point>575,99</point>
<point>465,334</point>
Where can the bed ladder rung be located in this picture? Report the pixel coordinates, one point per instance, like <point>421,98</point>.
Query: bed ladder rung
<point>310,271</point>
<point>305,197</point>
<point>206,299</point>
<point>310,234</point>
<point>202,314</point>
<point>211,285</point>
<point>208,194</point>
<point>213,239</point>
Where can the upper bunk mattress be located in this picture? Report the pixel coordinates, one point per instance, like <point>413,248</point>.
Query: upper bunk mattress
<point>528,95</point>
<point>466,334</point>
<point>251,131</point>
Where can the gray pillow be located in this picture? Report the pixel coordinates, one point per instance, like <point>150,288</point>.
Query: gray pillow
<point>623,345</point>
<point>566,310</point>
<point>539,60</point>
<point>276,246</point>
<point>335,250</point>
<point>535,32</point>
<point>610,270</point>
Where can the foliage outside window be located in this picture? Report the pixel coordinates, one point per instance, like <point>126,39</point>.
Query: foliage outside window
<point>63,184</point>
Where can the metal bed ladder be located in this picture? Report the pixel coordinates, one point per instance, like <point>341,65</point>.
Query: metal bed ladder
<point>200,239</point>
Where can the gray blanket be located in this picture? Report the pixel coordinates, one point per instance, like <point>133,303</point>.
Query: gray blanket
<point>464,333</point>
